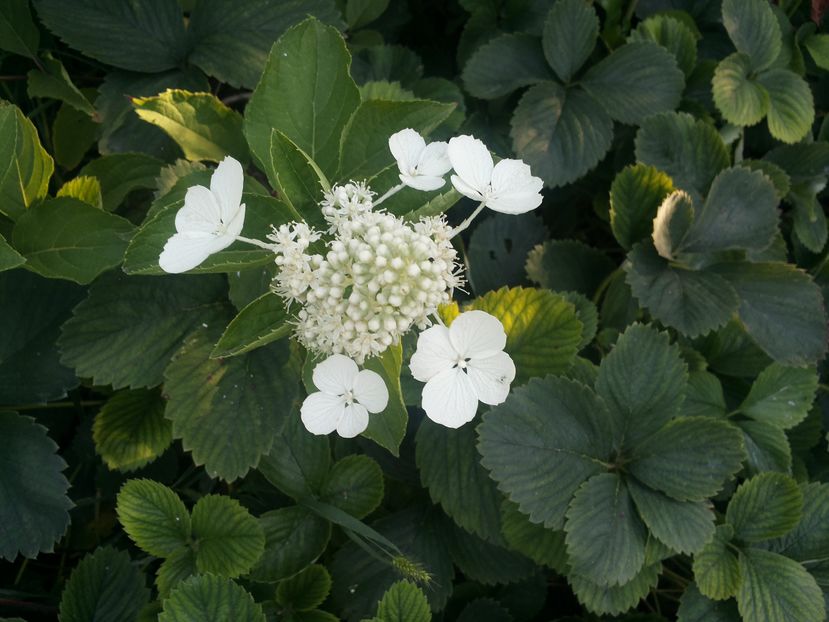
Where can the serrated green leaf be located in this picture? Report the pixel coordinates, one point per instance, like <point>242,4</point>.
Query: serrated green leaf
<point>153,516</point>
<point>674,219</point>
<point>355,485</point>
<point>568,265</point>
<point>766,506</point>
<point>305,92</point>
<point>523,451</point>
<point>777,589</point>
<point>635,197</point>
<point>731,352</point>
<point>543,329</point>
<point>615,599</point>
<point>779,177</point>
<point>361,12</point>
<point>636,81</point>
<point>180,565</point>
<point>767,448</point>
<point>781,395</point>
<point>809,219</point>
<point>561,133</point>
<point>669,460</point>
<point>791,106</point>
<point>18,32</point>
<point>25,166</point>
<point>673,34</point>
<point>485,562</point>
<point>403,602</point>
<point>570,33</point>
<point>503,64</point>
<point>33,502</point>
<point>716,567</point>
<point>388,428</point>
<point>685,526</point>
<point>104,586</point>
<point>605,537</point>
<point>294,538</point>
<point>694,607</point>
<point>818,46</point>
<point>208,598</point>
<point>130,429</point>
<point>703,396</point>
<point>690,151</point>
<point>297,178</point>
<point>51,80</point>
<point>740,98</point>
<point>695,303</point>
<point>809,540</point>
<point>542,545</point>
<point>753,28</point>
<point>85,189</point>
<point>121,173</point>
<point>199,123</point>
<point>588,314</point>
<point>305,590</point>
<point>128,328</point>
<point>9,258</point>
<point>228,540</point>
<point>642,381</point>
<point>774,295</point>
<point>262,321</point>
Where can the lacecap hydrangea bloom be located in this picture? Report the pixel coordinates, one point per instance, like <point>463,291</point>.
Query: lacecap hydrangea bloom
<point>358,287</point>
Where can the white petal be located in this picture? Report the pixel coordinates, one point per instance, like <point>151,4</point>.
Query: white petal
<point>371,391</point>
<point>472,162</point>
<point>449,398</point>
<point>200,212</point>
<point>353,422</point>
<point>421,182</point>
<point>491,377</point>
<point>434,353</point>
<point>434,160</point>
<point>406,146</point>
<point>335,375</point>
<point>226,184</point>
<point>514,189</point>
<point>465,189</point>
<point>477,334</point>
<point>234,227</point>
<point>185,251</point>
<point>321,413</point>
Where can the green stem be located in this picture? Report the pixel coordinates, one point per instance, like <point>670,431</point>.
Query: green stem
<point>462,227</point>
<point>391,192</point>
<point>259,243</point>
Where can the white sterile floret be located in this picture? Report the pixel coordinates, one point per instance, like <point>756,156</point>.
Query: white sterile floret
<point>421,166</point>
<point>506,187</point>
<point>345,398</point>
<point>209,222</point>
<point>462,365</point>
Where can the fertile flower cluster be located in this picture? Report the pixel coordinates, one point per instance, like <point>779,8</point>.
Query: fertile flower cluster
<point>365,282</point>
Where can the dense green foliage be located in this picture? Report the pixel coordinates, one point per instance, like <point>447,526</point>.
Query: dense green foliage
<point>662,454</point>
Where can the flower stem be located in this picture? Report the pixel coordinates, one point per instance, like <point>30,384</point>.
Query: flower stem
<point>462,227</point>
<point>258,243</point>
<point>391,192</point>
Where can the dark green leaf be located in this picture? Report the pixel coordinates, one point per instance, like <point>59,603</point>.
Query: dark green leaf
<point>570,34</point>
<point>504,64</point>
<point>180,565</point>
<point>704,396</point>
<point>781,395</point>
<point>613,599</point>
<point>51,80</point>
<point>121,173</point>
<point>9,258</point>
<point>716,567</point>
<point>635,196</point>
<point>694,607</point>
<point>388,428</point>
<point>262,321</point>
<point>674,35</point>
<point>294,538</point>
<point>485,562</point>
<point>542,545</point>
<point>809,540</point>
<point>355,485</point>
<point>568,265</point>
<point>753,28</point>
<point>297,178</point>
<point>208,598</point>
<point>18,33</point>
<point>228,540</point>
<point>361,12</point>
<point>767,506</point>
<point>767,448</point>
<point>306,590</point>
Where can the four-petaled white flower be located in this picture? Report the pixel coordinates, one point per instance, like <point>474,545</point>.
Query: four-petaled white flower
<point>506,187</point>
<point>422,166</point>
<point>462,365</point>
<point>210,220</point>
<point>345,398</point>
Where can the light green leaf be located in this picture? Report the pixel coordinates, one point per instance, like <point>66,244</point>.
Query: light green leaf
<point>127,329</point>
<point>306,590</point>
<point>523,450</point>
<point>777,589</point>
<point>635,197</point>
<point>199,123</point>
<point>612,599</point>
<point>147,37</point>
<point>642,381</point>
<point>774,295</point>
<point>542,545</point>
<point>684,526</point>
<point>570,33</point>
<point>673,34</point>
<point>306,93</point>
<point>690,151</point>
<point>262,321</point>
<point>130,429</point>
<point>84,189</point>
<point>297,178</point>
<point>781,395</point>
<point>67,239</point>
<point>694,607</point>
<point>561,133</point>
<point>543,329</point>
<point>791,106</point>
<point>568,265</point>
<point>364,148</point>
<point>716,567</point>
<point>636,81</point>
<point>741,99</point>
<point>9,258</point>
<point>403,602</point>
<point>33,502</point>
<point>18,33</point>
<point>180,565</point>
<point>818,46</point>
<point>228,540</point>
<point>669,460</point>
<point>121,173</point>
<point>25,166</point>
<point>767,506</point>
<point>753,28</point>
<point>388,428</point>
<point>809,540</point>
<point>294,538</point>
<point>223,410</point>
<point>52,81</point>
<point>767,448</point>
<point>605,537</point>
<point>104,586</point>
<point>503,64</point>
<point>208,598</point>
<point>355,485</point>
<point>153,516</point>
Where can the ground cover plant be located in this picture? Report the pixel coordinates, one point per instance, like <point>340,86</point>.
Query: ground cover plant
<point>491,310</point>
